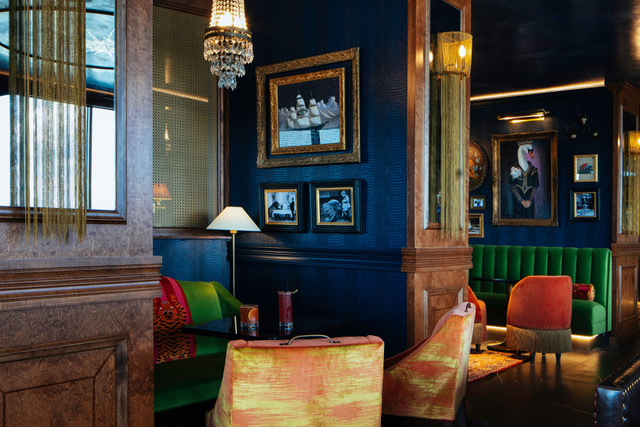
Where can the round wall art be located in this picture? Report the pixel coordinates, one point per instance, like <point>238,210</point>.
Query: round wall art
<point>478,165</point>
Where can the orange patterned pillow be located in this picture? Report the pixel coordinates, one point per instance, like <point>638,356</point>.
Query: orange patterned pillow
<point>586,292</point>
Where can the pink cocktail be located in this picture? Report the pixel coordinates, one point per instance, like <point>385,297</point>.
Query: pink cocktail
<point>285,318</point>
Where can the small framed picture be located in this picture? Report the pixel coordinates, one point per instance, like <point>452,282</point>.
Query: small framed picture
<point>476,225</point>
<point>335,206</point>
<point>585,168</point>
<point>280,208</point>
<point>585,205</point>
<point>477,202</point>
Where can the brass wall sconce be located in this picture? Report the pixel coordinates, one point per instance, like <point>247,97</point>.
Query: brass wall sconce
<point>525,116</point>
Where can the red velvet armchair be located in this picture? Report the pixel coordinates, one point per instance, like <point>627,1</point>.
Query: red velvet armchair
<point>539,315</point>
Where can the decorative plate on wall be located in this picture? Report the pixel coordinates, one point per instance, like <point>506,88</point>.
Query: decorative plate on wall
<point>478,165</point>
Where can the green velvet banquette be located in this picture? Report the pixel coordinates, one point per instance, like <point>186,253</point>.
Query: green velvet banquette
<point>496,266</point>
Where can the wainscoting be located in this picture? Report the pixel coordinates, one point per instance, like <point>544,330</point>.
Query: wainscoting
<point>76,341</point>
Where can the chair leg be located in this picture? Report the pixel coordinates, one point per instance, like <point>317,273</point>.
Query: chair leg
<point>461,416</point>
<point>558,358</point>
<point>533,357</point>
<point>477,347</point>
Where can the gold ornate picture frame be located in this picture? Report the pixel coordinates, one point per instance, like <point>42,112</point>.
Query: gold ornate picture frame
<point>525,179</point>
<point>585,168</point>
<point>309,111</point>
<point>476,225</point>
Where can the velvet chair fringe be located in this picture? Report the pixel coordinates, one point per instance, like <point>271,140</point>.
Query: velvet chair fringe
<point>538,340</point>
<point>478,333</point>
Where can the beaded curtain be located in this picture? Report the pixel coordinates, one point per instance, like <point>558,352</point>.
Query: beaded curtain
<point>47,87</point>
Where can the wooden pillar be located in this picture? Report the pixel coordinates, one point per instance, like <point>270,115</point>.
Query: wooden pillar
<point>625,248</point>
<point>436,268</point>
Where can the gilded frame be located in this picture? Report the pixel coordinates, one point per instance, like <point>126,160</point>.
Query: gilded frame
<point>477,202</point>
<point>476,225</point>
<point>289,217</point>
<point>327,201</point>
<point>585,204</point>
<point>540,180</point>
<point>271,79</point>
<point>315,83</point>
<point>585,168</point>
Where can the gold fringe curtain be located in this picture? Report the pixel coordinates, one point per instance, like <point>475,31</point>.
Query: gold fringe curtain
<point>47,87</point>
<point>453,120</point>
<point>451,66</point>
<point>631,183</point>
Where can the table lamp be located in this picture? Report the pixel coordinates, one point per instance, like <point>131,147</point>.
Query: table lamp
<point>234,219</point>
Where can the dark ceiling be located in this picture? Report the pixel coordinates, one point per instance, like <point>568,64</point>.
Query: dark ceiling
<point>532,44</point>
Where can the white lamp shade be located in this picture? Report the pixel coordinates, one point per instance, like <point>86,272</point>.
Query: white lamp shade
<point>233,218</point>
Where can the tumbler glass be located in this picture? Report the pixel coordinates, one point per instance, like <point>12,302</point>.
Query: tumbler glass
<point>249,317</point>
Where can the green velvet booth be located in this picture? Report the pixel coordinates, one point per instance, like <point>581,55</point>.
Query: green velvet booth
<point>494,265</point>
<point>188,368</point>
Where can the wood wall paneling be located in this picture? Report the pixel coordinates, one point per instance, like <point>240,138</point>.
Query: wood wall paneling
<point>76,345</point>
<point>57,378</point>
<point>432,263</point>
<point>625,248</point>
<point>76,342</point>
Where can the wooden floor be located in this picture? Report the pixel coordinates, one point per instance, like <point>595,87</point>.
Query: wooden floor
<point>541,394</point>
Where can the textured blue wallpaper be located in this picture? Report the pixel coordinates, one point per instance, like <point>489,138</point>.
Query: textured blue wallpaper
<point>194,259</point>
<point>373,301</point>
<point>564,109</point>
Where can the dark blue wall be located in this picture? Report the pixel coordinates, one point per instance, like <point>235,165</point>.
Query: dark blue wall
<point>564,108</point>
<point>351,276</point>
<point>287,30</point>
<point>194,259</point>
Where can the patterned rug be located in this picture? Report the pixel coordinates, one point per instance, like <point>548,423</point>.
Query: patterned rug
<point>486,362</point>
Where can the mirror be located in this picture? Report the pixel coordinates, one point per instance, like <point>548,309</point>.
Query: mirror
<point>105,139</point>
<point>630,180</point>
<point>444,17</point>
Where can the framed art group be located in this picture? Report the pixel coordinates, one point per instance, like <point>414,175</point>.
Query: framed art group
<point>334,206</point>
<point>585,202</point>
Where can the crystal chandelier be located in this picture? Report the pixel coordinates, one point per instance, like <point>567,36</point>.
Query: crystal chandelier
<point>227,42</point>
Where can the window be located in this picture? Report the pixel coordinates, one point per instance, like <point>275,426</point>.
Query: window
<point>102,142</point>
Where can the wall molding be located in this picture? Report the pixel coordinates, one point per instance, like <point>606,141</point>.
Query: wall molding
<point>359,259</point>
<point>625,249</point>
<point>436,259</point>
<point>28,284</point>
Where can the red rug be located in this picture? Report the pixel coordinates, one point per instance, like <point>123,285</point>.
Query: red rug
<point>487,362</point>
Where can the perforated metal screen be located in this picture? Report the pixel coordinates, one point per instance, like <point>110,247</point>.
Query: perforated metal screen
<point>184,122</point>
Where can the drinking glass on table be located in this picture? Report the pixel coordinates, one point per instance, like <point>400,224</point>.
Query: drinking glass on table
<point>249,319</point>
<point>285,315</point>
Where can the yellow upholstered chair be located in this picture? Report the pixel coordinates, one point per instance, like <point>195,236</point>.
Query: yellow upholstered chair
<point>309,382</point>
<point>429,380</point>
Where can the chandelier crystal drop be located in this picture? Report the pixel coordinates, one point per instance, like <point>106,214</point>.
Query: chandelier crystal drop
<point>227,42</point>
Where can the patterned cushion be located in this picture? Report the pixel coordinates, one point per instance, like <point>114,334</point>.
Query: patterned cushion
<point>183,303</point>
<point>587,292</point>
